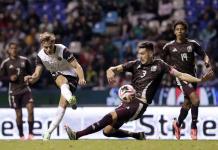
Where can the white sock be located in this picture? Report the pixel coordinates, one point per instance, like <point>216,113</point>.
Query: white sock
<point>57,119</point>
<point>65,91</point>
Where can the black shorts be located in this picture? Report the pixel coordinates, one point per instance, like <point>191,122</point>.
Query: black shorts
<point>72,81</point>
<point>19,100</point>
<point>129,111</point>
<point>186,87</point>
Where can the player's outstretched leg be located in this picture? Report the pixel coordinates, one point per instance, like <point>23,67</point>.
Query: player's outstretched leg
<point>97,126</point>
<point>119,133</point>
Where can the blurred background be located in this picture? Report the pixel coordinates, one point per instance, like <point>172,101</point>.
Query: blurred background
<point>103,33</point>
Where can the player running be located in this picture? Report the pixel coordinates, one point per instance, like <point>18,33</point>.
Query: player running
<point>181,54</point>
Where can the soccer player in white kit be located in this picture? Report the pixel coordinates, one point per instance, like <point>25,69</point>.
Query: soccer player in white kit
<point>65,70</point>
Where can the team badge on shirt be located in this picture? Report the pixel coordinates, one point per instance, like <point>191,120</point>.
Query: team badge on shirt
<point>189,48</point>
<point>22,64</point>
<point>154,68</point>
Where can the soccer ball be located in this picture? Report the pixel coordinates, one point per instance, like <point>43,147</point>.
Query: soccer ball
<point>126,93</point>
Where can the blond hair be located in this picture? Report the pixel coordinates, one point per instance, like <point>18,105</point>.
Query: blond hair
<point>46,37</point>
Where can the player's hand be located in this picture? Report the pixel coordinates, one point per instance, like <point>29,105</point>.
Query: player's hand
<point>110,76</point>
<point>82,81</point>
<point>13,77</point>
<point>28,79</point>
<point>209,75</point>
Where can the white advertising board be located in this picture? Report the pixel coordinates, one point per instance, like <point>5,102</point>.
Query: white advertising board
<point>156,122</point>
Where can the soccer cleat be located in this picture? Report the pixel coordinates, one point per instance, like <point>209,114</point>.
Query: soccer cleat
<point>194,133</point>
<point>71,134</point>
<point>74,106</point>
<point>46,136</point>
<point>176,129</point>
<point>72,102</point>
<point>30,137</point>
<point>142,136</point>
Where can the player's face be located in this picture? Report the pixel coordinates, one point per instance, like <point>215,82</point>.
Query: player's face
<point>48,47</point>
<point>12,51</point>
<point>180,31</point>
<point>144,55</point>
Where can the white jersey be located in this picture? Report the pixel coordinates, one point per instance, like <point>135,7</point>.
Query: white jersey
<point>57,62</point>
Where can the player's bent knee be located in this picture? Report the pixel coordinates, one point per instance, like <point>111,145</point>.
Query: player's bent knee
<point>61,80</point>
<point>108,129</point>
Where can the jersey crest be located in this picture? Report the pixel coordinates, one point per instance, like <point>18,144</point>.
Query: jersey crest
<point>154,68</point>
<point>189,48</point>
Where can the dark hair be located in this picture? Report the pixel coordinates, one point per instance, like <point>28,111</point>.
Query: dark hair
<point>146,44</point>
<point>9,45</point>
<point>181,22</point>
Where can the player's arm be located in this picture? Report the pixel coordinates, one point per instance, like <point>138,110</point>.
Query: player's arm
<point>112,71</point>
<point>74,63</point>
<point>184,76</point>
<point>190,78</point>
<point>79,71</point>
<point>126,67</point>
<point>164,52</point>
<point>4,76</point>
<point>2,71</point>
<point>31,79</point>
<point>198,49</point>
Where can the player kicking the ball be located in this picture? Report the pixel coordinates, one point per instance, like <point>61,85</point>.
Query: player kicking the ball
<point>147,73</point>
<point>65,70</point>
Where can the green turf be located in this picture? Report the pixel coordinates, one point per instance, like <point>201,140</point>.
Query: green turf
<point>109,145</point>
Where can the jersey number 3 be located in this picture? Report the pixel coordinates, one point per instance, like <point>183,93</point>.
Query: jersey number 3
<point>143,74</point>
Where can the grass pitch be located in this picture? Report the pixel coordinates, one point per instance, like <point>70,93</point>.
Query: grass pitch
<point>109,145</point>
